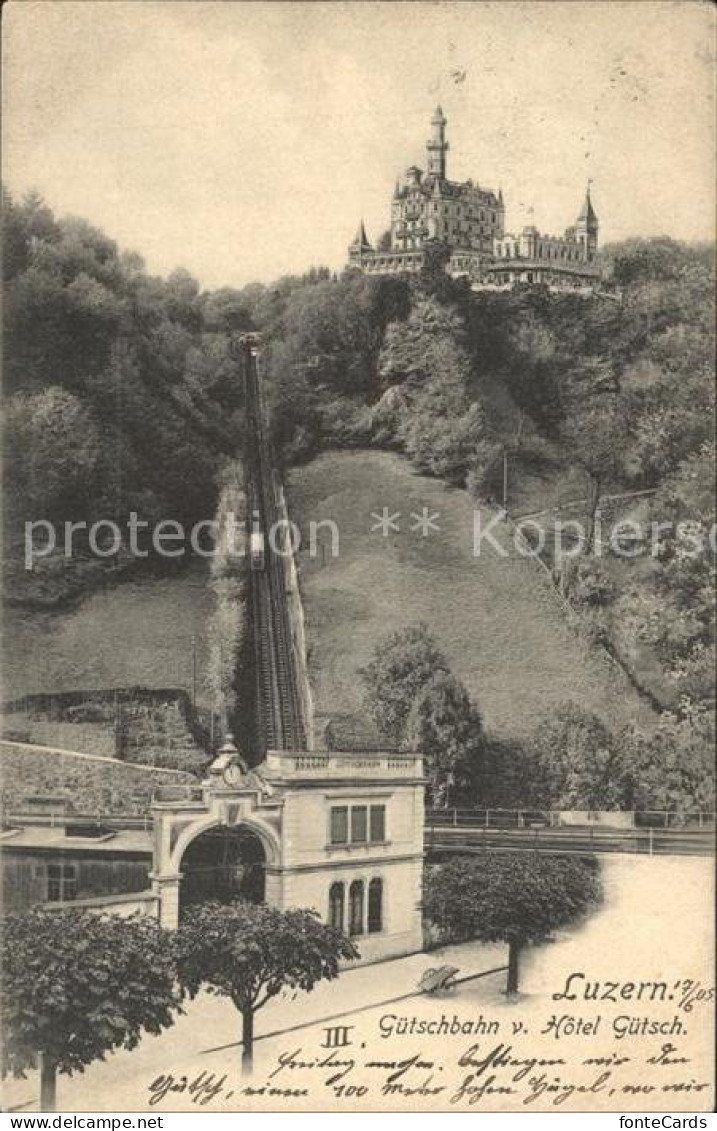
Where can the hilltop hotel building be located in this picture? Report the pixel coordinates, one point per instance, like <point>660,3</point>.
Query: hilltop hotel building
<point>470,221</point>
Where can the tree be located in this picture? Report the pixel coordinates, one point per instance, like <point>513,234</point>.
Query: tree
<point>532,366</point>
<point>649,260</point>
<point>436,255</point>
<point>594,432</point>
<point>429,344</point>
<point>226,310</point>
<point>673,765</point>
<point>402,665</point>
<point>486,470</point>
<point>181,295</point>
<point>122,387</point>
<point>687,500</point>
<point>39,221</point>
<point>590,584</point>
<point>342,324</point>
<point>437,419</point>
<point>676,613</point>
<point>14,238</point>
<point>442,431</point>
<point>76,985</point>
<point>447,730</point>
<point>250,952</point>
<point>518,898</point>
<point>578,763</point>
<point>53,447</point>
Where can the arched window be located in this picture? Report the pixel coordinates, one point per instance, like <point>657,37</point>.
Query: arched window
<point>375,906</point>
<point>356,908</point>
<point>336,906</point>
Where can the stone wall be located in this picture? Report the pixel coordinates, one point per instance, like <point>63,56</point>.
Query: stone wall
<point>152,727</point>
<point>91,784</point>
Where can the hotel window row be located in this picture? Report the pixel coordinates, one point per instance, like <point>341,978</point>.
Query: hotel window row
<point>365,915</point>
<point>358,824</point>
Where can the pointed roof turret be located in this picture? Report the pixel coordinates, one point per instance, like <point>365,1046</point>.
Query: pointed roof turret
<point>587,212</point>
<point>360,241</point>
<point>438,115</point>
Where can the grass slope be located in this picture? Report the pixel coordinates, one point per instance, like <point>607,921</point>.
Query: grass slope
<point>137,634</point>
<point>497,619</point>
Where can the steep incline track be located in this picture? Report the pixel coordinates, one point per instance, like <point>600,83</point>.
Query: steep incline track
<point>280,725</point>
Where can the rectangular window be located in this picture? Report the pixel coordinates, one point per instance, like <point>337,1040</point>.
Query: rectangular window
<point>61,882</point>
<point>340,825</point>
<point>378,823</point>
<point>358,824</point>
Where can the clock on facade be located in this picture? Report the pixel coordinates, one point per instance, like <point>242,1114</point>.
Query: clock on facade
<point>233,775</point>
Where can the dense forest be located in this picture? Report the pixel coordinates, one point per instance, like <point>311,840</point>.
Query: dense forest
<point>122,394</point>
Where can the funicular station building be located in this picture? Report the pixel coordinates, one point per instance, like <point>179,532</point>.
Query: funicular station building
<point>342,833</point>
<point>339,832</point>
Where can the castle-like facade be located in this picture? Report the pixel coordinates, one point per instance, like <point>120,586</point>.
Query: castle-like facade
<point>429,209</point>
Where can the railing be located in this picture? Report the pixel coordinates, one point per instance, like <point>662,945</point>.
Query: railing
<point>468,831</point>
<point>312,763</point>
<point>340,765</point>
<point>456,830</point>
<point>664,819</point>
<point>551,818</point>
<point>24,818</point>
<point>490,818</point>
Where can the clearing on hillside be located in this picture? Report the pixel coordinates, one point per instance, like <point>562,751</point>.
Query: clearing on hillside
<point>498,619</point>
<point>150,632</point>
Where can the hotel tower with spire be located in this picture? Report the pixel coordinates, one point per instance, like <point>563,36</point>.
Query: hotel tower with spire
<point>469,221</point>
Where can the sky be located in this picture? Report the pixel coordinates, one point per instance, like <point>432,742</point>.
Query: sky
<point>246,140</point>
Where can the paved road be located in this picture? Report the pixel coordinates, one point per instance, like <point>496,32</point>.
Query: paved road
<point>655,923</point>
<point>575,839</point>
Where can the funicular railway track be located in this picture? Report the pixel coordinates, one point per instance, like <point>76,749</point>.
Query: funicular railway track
<point>279,721</point>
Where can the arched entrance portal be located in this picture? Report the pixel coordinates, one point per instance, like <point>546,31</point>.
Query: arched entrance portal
<point>222,863</point>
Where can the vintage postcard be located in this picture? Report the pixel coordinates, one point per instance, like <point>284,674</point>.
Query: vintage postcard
<point>359,528</point>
